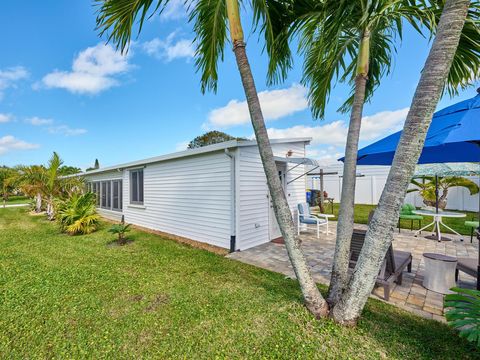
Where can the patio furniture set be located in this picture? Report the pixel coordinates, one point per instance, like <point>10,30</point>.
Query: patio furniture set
<point>441,271</point>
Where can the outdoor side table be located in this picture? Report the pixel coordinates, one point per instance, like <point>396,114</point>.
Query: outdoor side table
<point>439,272</point>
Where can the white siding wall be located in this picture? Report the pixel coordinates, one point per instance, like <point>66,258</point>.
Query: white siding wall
<point>188,197</point>
<point>253,202</point>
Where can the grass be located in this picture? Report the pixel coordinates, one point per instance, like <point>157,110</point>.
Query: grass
<point>362,211</point>
<point>74,296</point>
<point>17,200</point>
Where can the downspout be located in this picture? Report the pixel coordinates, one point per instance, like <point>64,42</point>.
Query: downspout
<point>233,202</point>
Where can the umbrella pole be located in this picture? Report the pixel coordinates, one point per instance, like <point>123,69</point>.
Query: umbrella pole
<point>436,193</point>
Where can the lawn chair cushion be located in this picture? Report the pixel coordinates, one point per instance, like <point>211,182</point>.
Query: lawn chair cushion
<point>473,224</point>
<point>401,259</point>
<point>468,266</point>
<point>411,217</point>
<point>407,209</point>
<point>312,220</point>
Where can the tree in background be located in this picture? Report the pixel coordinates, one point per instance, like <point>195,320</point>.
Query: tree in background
<point>55,185</point>
<point>210,138</point>
<point>8,182</point>
<point>31,181</point>
<point>211,20</point>
<point>95,166</point>
<point>69,170</point>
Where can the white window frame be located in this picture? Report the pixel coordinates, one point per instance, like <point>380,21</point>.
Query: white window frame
<point>130,186</point>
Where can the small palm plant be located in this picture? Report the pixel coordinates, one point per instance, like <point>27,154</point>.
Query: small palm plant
<point>120,229</point>
<point>78,214</point>
<point>463,313</point>
<point>426,188</point>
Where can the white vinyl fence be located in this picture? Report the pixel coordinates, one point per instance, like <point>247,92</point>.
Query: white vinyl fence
<point>371,181</point>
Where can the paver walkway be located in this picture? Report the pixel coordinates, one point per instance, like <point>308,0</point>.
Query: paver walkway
<point>411,295</point>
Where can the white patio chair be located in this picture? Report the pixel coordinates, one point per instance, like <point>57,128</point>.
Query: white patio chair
<point>305,218</point>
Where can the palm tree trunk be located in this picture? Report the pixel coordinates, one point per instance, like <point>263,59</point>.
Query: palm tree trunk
<point>382,226</point>
<point>38,203</point>
<point>345,223</point>
<point>313,299</point>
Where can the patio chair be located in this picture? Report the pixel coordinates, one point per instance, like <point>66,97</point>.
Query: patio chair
<point>468,266</point>
<point>406,213</point>
<point>305,218</point>
<point>393,265</point>
<point>473,225</point>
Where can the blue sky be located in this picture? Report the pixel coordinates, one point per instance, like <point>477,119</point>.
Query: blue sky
<point>62,90</point>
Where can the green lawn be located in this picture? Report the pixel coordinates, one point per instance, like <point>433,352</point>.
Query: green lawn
<point>362,211</point>
<point>17,200</point>
<point>77,297</point>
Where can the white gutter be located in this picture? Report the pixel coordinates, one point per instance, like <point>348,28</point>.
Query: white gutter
<point>233,201</point>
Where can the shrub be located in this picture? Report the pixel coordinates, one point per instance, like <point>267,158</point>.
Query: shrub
<point>77,214</point>
<point>120,230</point>
<point>464,313</point>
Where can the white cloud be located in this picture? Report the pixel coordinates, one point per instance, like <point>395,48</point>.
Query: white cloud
<point>37,121</point>
<point>4,118</point>
<point>335,132</point>
<point>169,49</point>
<point>275,104</point>
<point>9,143</point>
<point>175,9</point>
<point>93,71</point>
<point>66,130</point>
<point>181,146</point>
<point>382,123</point>
<point>10,76</point>
<point>328,140</point>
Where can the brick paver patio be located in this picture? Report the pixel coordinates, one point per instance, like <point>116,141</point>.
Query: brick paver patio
<point>411,295</point>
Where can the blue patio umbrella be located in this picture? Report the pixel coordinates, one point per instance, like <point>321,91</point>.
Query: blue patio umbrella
<point>453,136</point>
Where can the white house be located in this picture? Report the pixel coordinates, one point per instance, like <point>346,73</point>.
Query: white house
<point>215,194</point>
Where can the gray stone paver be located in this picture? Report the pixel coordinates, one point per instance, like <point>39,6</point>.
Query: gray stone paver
<point>411,295</point>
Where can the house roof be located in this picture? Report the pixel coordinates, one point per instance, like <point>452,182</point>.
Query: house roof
<point>191,152</point>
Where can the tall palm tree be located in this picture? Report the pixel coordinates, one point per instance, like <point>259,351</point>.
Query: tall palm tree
<point>353,41</point>
<point>380,232</point>
<point>211,20</point>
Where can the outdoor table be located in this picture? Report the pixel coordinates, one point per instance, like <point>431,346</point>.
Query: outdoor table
<point>439,272</point>
<point>437,221</point>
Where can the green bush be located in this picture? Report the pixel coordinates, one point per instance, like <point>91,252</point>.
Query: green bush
<point>78,214</point>
<point>464,313</point>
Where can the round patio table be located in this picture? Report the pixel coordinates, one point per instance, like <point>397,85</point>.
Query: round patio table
<point>439,272</point>
<point>437,221</point>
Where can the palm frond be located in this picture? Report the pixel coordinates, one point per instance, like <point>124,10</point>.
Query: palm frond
<point>465,67</point>
<point>118,17</point>
<point>274,19</point>
<point>210,26</point>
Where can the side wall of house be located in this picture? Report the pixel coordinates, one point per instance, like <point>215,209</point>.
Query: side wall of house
<point>188,197</point>
<point>253,204</point>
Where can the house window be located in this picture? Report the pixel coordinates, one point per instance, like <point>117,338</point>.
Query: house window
<point>117,195</point>
<point>96,186</point>
<point>136,186</point>
<point>108,194</point>
<point>104,195</point>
